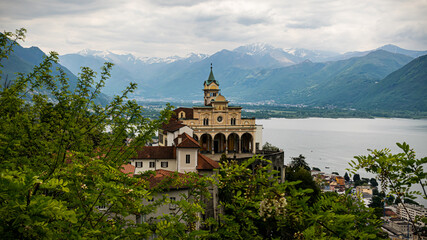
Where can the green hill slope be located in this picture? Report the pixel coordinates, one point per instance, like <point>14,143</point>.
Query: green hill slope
<point>404,89</point>
<point>340,83</point>
<point>343,83</point>
<point>23,60</point>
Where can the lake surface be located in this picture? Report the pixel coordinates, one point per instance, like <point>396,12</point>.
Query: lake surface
<point>330,144</point>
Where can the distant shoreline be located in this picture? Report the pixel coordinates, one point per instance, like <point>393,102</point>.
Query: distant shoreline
<point>300,112</point>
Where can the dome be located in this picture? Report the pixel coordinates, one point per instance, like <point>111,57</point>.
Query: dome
<point>220,98</point>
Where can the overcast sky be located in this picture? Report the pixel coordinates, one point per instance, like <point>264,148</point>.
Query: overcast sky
<point>169,27</point>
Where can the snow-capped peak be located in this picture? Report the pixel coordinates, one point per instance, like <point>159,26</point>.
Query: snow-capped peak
<point>195,57</point>
<point>254,48</point>
<point>151,60</point>
<point>192,57</point>
<point>89,52</point>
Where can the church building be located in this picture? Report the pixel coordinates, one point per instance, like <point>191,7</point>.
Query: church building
<point>217,126</point>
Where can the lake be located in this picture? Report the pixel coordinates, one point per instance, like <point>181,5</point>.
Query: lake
<point>330,144</point>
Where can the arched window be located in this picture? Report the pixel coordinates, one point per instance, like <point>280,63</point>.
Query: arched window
<point>233,121</point>
<point>206,121</point>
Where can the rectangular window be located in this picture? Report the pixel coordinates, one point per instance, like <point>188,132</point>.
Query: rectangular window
<point>138,164</point>
<point>187,158</point>
<point>172,205</point>
<point>152,164</point>
<point>102,205</point>
<point>140,219</point>
<point>164,164</point>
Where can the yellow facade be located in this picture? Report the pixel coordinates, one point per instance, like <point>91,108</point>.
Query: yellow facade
<point>218,127</point>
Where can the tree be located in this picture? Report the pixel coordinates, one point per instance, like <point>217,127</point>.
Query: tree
<point>257,206</point>
<point>269,147</point>
<point>373,182</point>
<point>305,180</point>
<point>299,162</point>
<point>377,203</point>
<point>390,200</point>
<point>223,158</point>
<point>336,216</point>
<point>397,173</point>
<point>346,177</point>
<point>60,174</point>
<point>61,155</point>
<point>242,192</point>
<point>356,178</point>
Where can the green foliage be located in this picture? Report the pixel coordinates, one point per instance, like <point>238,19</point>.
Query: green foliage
<point>356,177</point>
<point>373,182</point>
<point>181,223</point>
<point>346,177</point>
<point>269,147</point>
<point>377,203</point>
<point>305,180</point>
<point>396,172</point>
<point>299,162</point>
<point>240,192</point>
<point>60,174</point>
<point>223,158</point>
<point>22,60</point>
<point>336,216</point>
<point>7,41</point>
<point>61,155</point>
<point>256,206</point>
<point>254,202</point>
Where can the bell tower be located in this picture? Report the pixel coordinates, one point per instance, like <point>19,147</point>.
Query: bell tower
<point>211,89</point>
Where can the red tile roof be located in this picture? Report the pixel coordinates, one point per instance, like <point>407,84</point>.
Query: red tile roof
<point>128,169</point>
<point>173,125</point>
<point>170,180</point>
<point>186,141</point>
<point>205,163</point>
<point>156,152</point>
<point>188,112</point>
<point>389,212</point>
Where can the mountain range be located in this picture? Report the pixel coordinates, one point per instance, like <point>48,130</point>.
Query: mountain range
<point>388,77</point>
<point>260,72</point>
<point>23,60</point>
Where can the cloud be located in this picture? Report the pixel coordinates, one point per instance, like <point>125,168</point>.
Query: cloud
<point>248,21</point>
<point>169,27</point>
<point>309,24</point>
<point>174,3</point>
<point>28,9</point>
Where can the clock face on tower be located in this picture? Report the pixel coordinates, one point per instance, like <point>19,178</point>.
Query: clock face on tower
<point>219,119</point>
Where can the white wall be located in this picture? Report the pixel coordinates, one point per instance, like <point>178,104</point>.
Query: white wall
<point>171,136</point>
<point>146,164</point>
<point>165,208</point>
<point>182,166</point>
